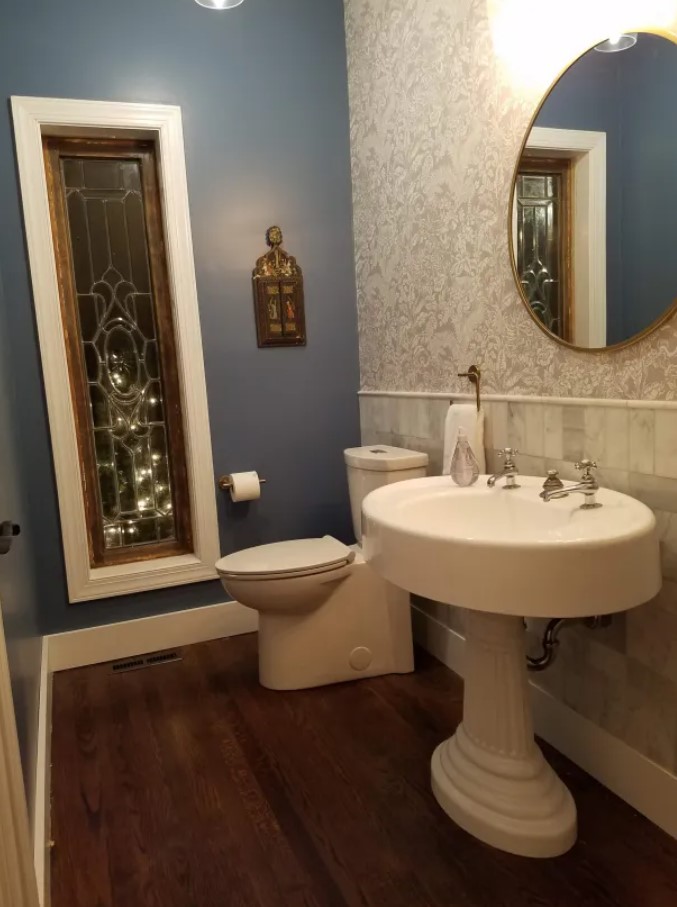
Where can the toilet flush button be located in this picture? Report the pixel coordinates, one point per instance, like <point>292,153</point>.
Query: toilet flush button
<point>360,658</point>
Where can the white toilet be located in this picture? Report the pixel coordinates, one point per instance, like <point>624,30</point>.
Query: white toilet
<point>324,615</point>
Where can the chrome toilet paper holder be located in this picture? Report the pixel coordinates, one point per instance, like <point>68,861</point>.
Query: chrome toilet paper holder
<point>226,483</point>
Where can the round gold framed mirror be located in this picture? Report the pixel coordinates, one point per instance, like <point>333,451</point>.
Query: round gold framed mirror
<point>592,224</point>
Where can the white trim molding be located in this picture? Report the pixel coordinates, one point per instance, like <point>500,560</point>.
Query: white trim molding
<point>588,152</point>
<point>43,786</point>
<point>613,402</point>
<point>646,786</point>
<point>129,638</point>
<point>34,118</point>
<point>18,886</point>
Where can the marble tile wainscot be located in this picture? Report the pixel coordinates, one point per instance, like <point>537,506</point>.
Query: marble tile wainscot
<point>624,678</point>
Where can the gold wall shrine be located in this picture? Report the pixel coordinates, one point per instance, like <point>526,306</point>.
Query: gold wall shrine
<point>278,296</point>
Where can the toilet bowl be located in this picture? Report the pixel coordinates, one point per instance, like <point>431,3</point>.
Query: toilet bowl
<point>286,577</point>
<point>324,615</point>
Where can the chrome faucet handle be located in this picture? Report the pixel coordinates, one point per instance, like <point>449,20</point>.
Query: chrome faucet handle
<point>585,466</point>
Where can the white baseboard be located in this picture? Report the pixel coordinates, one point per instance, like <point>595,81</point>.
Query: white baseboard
<point>110,642</point>
<point>41,818</point>
<point>646,786</point>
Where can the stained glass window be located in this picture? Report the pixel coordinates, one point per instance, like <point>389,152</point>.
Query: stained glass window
<point>117,313</point>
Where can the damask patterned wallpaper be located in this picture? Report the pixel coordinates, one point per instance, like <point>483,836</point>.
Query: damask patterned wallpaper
<point>436,126</point>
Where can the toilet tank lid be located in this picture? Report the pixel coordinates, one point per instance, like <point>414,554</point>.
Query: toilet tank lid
<point>383,458</point>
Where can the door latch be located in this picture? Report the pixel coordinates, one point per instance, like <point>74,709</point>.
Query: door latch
<point>7,532</point>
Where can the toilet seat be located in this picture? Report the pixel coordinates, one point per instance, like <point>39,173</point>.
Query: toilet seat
<point>300,557</point>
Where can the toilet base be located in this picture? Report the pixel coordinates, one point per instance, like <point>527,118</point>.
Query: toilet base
<point>362,629</point>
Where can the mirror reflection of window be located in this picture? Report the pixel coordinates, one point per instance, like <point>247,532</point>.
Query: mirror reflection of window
<point>543,199</point>
<point>595,252</point>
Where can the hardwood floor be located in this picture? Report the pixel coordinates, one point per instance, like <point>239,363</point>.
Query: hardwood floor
<point>189,785</point>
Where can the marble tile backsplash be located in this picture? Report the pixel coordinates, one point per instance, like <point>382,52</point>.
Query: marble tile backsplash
<point>623,678</point>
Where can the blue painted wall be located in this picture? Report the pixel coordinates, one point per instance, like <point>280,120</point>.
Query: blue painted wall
<point>649,181</point>
<point>263,91</point>
<point>630,96</point>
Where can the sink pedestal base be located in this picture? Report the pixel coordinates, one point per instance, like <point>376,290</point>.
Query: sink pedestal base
<point>490,777</point>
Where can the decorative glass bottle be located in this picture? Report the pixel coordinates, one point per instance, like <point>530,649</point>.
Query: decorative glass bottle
<point>465,469</point>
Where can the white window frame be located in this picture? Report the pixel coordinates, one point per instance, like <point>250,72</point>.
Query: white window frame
<point>33,119</point>
<point>18,880</point>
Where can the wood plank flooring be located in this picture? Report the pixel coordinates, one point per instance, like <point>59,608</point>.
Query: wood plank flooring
<point>189,785</point>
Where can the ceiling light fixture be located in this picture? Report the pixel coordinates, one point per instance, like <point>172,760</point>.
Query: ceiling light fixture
<point>219,4</point>
<point>617,43</point>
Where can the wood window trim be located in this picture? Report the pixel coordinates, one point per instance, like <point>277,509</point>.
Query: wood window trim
<point>33,118</point>
<point>143,151</point>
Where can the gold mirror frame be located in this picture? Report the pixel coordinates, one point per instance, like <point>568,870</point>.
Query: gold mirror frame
<point>670,310</point>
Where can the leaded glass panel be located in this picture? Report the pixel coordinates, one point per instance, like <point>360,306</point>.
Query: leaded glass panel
<point>542,245</point>
<point>119,347</point>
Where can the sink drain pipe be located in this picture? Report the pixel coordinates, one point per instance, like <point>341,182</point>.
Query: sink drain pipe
<point>550,640</point>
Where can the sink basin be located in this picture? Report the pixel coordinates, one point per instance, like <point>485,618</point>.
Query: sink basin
<point>504,555</point>
<point>509,552</point>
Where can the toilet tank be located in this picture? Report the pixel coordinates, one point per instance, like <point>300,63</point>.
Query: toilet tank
<point>377,465</point>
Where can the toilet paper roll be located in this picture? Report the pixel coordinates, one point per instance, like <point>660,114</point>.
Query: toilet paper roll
<point>246,486</point>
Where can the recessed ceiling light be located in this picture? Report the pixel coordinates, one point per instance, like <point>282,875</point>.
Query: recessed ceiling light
<point>617,43</point>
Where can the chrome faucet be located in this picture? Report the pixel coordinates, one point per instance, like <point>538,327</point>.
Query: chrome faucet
<point>552,483</point>
<point>509,469</point>
<point>588,486</point>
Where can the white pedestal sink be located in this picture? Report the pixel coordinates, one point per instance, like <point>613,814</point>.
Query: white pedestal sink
<point>505,555</point>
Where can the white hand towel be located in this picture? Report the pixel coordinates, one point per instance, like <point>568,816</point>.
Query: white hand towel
<point>464,415</point>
